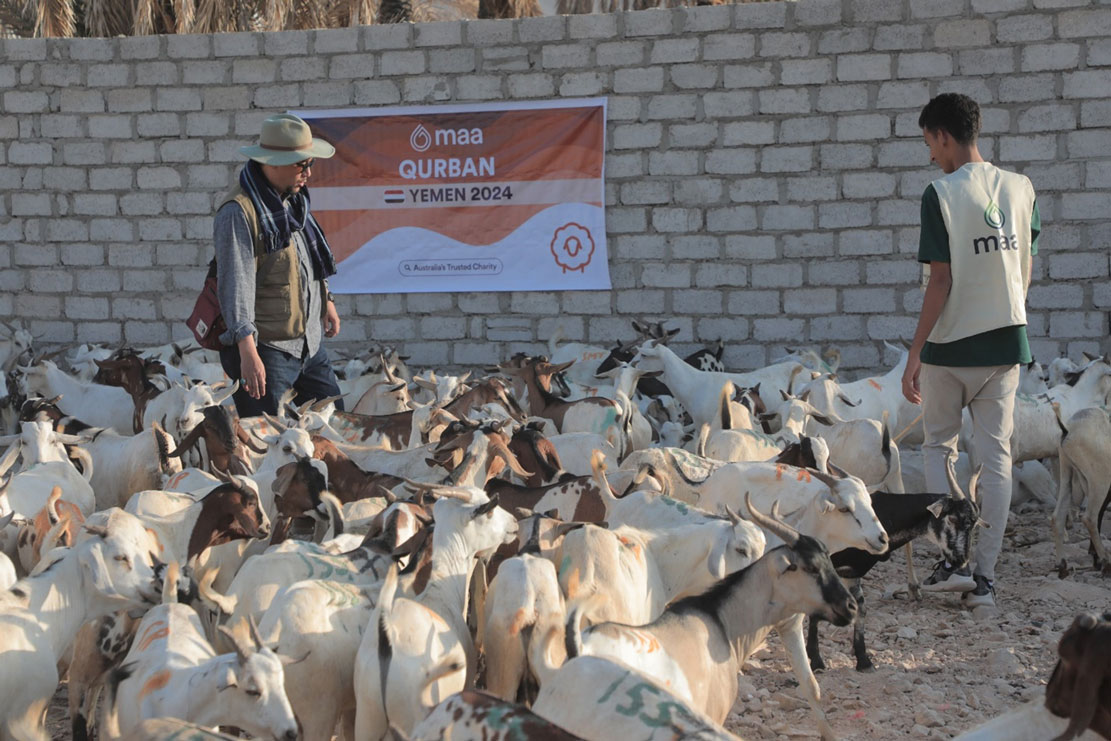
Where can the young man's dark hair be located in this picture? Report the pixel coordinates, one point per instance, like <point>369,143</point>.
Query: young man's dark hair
<point>957,114</point>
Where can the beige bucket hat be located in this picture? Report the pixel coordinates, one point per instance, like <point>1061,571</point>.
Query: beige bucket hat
<point>287,139</point>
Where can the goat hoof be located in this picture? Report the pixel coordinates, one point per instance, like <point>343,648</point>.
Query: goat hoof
<point>817,666</point>
<point>1063,570</point>
<point>1106,570</point>
<point>865,667</point>
<point>915,593</point>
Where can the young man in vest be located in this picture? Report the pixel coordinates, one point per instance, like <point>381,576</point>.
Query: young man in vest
<point>272,263</point>
<point>980,228</point>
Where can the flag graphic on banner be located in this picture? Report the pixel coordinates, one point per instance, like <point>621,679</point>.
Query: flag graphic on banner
<point>480,197</point>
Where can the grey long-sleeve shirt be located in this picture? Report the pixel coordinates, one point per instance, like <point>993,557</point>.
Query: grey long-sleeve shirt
<point>235,277</point>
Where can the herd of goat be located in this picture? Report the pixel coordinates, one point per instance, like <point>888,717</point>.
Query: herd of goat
<point>584,545</point>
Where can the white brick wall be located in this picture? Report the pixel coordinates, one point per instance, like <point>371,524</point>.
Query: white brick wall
<point>764,165</point>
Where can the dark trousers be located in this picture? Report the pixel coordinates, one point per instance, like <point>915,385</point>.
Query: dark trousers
<point>312,378</point>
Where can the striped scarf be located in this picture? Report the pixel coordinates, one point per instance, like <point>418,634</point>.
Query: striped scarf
<point>279,219</point>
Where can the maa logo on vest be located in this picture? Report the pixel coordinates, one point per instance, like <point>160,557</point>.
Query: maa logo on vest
<point>995,218</point>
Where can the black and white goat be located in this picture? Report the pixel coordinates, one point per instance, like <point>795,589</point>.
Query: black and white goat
<point>947,520</point>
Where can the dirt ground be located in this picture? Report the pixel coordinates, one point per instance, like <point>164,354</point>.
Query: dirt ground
<point>938,671</point>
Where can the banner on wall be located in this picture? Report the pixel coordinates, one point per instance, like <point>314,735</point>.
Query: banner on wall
<point>480,197</point>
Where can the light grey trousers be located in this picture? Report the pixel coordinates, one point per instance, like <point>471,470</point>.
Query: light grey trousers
<point>989,394</point>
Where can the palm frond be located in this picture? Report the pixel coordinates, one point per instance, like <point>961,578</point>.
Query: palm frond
<point>17,18</point>
<point>55,18</point>
<point>143,17</point>
<point>184,16</point>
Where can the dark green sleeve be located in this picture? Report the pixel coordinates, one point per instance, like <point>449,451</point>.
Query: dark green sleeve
<point>933,242</point>
<point>1035,228</point>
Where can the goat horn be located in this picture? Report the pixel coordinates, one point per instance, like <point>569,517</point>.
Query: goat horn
<point>440,490</point>
<point>319,405</point>
<point>772,524</point>
<point>277,423</point>
<point>954,487</point>
<point>253,627</point>
<point>734,517</point>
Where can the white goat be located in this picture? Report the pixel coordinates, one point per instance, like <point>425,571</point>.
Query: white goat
<point>41,614</point>
<point>591,697</point>
<point>1085,473</point>
<point>408,639</point>
<point>172,670</point>
<point>323,621</point>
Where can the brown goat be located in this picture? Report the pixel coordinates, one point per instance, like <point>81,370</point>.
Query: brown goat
<point>1080,687</point>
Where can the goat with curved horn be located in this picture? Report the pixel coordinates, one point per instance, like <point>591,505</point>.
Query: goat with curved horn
<point>772,523</point>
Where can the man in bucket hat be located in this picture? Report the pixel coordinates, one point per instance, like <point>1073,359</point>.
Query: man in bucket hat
<point>272,265</point>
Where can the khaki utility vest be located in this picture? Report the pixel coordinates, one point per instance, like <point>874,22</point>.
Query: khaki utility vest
<point>279,305</point>
<point>987,212</point>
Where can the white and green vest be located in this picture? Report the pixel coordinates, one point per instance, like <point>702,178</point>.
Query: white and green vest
<point>987,214</point>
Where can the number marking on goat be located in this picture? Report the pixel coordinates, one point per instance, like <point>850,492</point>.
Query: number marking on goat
<point>875,385</point>
<point>804,475</point>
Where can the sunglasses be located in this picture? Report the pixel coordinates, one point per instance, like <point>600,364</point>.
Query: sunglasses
<point>304,164</point>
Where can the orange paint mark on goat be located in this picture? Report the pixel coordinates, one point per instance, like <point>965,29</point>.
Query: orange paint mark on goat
<point>156,682</point>
<point>778,471</point>
<point>875,385</point>
<point>573,583</point>
<point>156,630</point>
<point>631,545</point>
<point>518,620</point>
<point>176,479</point>
<point>157,540</point>
<point>804,475</point>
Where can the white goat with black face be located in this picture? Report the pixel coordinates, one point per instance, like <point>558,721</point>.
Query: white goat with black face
<point>410,639</point>
<point>697,647</point>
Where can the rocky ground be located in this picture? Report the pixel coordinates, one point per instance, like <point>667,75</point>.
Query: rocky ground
<point>938,671</point>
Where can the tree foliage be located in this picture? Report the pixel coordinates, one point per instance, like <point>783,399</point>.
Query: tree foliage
<point>107,18</point>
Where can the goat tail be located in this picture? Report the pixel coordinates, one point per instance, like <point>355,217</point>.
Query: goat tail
<point>82,456</point>
<point>110,720</point>
<point>598,471</point>
<point>553,341</point>
<point>626,408</point>
<point>335,512</point>
<point>724,397</point>
<point>573,639</point>
<point>540,651</point>
<point>170,582</point>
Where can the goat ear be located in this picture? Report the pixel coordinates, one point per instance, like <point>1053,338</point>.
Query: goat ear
<point>290,661</point>
<point>936,508</point>
<point>828,505</point>
<point>980,522</point>
<point>784,563</point>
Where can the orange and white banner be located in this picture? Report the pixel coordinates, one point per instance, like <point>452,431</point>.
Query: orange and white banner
<point>480,197</point>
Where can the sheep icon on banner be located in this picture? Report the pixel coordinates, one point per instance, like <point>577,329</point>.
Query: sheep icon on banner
<point>572,247</point>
